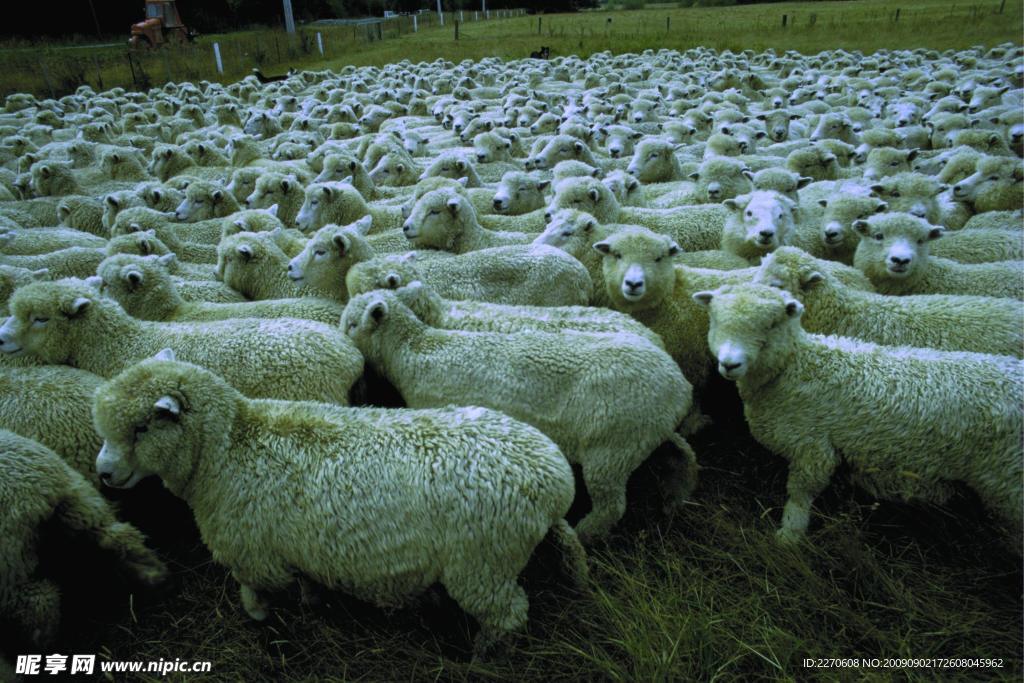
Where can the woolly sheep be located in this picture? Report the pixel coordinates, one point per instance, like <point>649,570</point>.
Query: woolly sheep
<point>833,237</point>
<point>37,486</point>
<point>519,193</point>
<point>82,213</point>
<point>50,404</point>
<point>760,222</point>
<point>654,161</point>
<point>145,289</point>
<point>445,219</point>
<point>996,185</point>
<point>36,241</point>
<point>472,531</point>
<point>280,190</point>
<point>205,200</point>
<point>452,165</point>
<point>556,377</point>
<point>341,203</point>
<point>67,322</point>
<point>254,265</point>
<point>70,262</point>
<point>944,322</point>
<point>894,254</point>
<point>199,249</point>
<point>886,411</point>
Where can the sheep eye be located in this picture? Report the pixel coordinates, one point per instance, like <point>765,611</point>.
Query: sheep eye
<point>879,237</point>
<point>750,214</point>
<point>618,255</point>
<point>658,260</point>
<point>319,252</point>
<point>921,241</point>
<point>40,321</point>
<point>894,193</point>
<point>894,163</point>
<point>994,177</point>
<point>434,212</point>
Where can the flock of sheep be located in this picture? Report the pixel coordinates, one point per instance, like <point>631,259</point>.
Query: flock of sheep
<point>546,259</point>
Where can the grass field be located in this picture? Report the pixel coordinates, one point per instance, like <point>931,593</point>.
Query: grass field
<point>706,594</point>
<point>866,25</point>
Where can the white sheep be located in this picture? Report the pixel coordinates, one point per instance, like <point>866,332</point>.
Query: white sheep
<point>547,380</point>
<point>68,322</point>
<point>382,503</point>
<point>910,423</point>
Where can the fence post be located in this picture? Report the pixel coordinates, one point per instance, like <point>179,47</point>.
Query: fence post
<point>668,24</point>
<point>380,29</point>
<point>456,29</point>
<point>784,21</point>
<point>131,65</point>
<point>440,14</point>
<point>217,59</point>
<point>415,24</point>
<point>538,25</point>
<point>460,17</point>
<point>320,42</point>
<point>897,14</point>
<point>1002,6</point>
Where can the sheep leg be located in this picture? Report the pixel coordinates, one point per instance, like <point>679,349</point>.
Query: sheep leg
<point>499,604</point>
<point>809,474</point>
<point>574,557</point>
<point>36,606</point>
<point>607,490</point>
<point>255,606</point>
<point>679,483</point>
<point>83,509</point>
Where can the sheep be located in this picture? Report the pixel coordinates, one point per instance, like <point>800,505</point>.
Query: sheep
<point>252,264</point>
<point>760,222</point>
<point>341,203</point>
<point>714,181</point>
<point>833,237</point>
<point>518,193</point>
<point>338,166</point>
<point>814,162</point>
<point>70,262</point>
<point>481,316</point>
<point>37,486</point>
<point>980,245</point>
<point>915,194</point>
<point>888,412</point>
<point>145,289</point>
<point>694,228</point>
<point>472,530</point>
<point>36,241</point>
<point>1005,220</point>
<point>996,185</point>
<point>68,322</point>
<point>82,213</point>
<point>12,277</point>
<point>626,188</point>
<point>886,161</point>
<point>555,376</point>
<point>781,180</point>
<point>278,189</point>
<point>948,323</point>
<point>205,200</point>
<point>50,404</point>
<point>654,161</point>
<point>560,148</point>
<point>894,254</point>
<point>452,165</point>
<point>445,219</point>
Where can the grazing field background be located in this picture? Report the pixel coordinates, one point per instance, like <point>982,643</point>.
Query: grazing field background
<point>50,70</point>
<point>706,594</point>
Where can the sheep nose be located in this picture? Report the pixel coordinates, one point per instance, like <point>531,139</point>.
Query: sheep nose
<point>633,284</point>
<point>831,232</point>
<point>614,153</point>
<point>481,158</point>
<point>973,110</point>
<point>901,122</point>
<point>498,204</point>
<point>631,170</point>
<point>767,234</point>
<point>899,260</point>
<point>105,477</point>
<point>731,366</point>
<point>406,228</point>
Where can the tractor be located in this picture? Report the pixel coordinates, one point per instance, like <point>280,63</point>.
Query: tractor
<point>162,25</point>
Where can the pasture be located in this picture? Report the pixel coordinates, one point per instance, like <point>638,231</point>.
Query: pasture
<point>704,592</point>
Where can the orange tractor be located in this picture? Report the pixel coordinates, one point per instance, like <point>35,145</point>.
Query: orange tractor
<point>161,25</point>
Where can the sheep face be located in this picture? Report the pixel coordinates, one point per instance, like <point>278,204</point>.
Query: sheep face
<point>43,317</point>
<point>637,266</point>
<point>910,193</point>
<point>776,124</point>
<point>270,189</point>
<point>750,327</point>
<point>569,230</point>
<point>325,200</point>
<point>447,166</point>
<point>886,161</point>
<point>837,222</point>
<point>586,194</point>
<point>489,147</point>
<point>996,185</point>
<point>436,219</point>
<point>790,269</point>
<point>243,182</point>
<point>813,162</point>
<point>562,148</point>
<point>519,193</point>
<point>833,126</point>
<point>625,187</point>
<point>201,202</point>
<point>328,255</point>
<point>384,272</point>
<point>722,145</point>
<point>893,246</point>
<point>763,218</point>
<point>720,178</point>
<point>155,418</point>
<point>653,161</point>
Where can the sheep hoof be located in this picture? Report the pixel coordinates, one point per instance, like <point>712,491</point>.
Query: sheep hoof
<point>788,537</point>
<point>255,607</point>
<point>151,573</point>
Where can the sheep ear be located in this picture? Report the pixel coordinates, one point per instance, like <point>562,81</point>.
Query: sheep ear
<point>364,224</point>
<point>112,200</point>
<point>165,354</point>
<point>794,309</point>
<point>748,174</point>
<point>341,241</point>
<point>935,233</point>
<point>673,249</point>
<point>803,182</point>
<point>912,154</point>
<point>603,247</point>
<point>217,195</point>
<point>77,306</point>
<point>732,205</point>
<point>167,259</point>
<point>594,195</point>
<point>245,251</point>
<point>810,279</point>
<point>862,227</point>
<point>133,277</point>
<point>271,210</point>
<point>1018,173</point>
<point>543,184</point>
<point>167,407</point>
<point>464,181</point>
<point>882,207</point>
<point>328,192</point>
<point>578,146</point>
<point>695,176</point>
<point>41,274</point>
<point>877,189</point>
<point>94,281</point>
<point>453,205</point>
<point>703,298</point>
<point>377,311</point>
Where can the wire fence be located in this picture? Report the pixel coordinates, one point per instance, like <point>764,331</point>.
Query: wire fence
<point>59,70</point>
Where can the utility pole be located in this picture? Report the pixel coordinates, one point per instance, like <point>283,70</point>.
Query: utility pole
<point>289,20</point>
<point>440,14</point>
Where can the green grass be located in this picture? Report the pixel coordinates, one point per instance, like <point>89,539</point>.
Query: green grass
<point>866,25</point>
